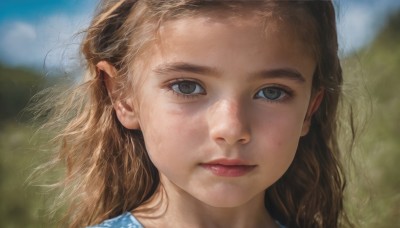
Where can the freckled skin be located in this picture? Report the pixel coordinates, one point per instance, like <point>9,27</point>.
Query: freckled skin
<point>226,121</point>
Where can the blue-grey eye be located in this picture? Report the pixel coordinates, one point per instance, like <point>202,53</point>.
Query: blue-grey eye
<point>187,88</point>
<point>271,93</point>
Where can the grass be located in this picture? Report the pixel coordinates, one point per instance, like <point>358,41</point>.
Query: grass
<point>22,204</point>
<point>375,195</point>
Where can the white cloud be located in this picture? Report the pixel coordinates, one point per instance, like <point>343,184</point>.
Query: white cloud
<point>359,21</point>
<point>356,27</point>
<point>16,37</point>
<point>50,42</point>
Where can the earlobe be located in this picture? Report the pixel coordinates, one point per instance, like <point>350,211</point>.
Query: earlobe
<point>126,114</point>
<point>312,108</point>
<point>124,108</point>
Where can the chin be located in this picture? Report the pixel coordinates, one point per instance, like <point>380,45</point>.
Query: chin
<point>225,200</point>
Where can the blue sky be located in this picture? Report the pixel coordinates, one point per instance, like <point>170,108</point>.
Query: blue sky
<point>41,32</point>
<point>36,9</point>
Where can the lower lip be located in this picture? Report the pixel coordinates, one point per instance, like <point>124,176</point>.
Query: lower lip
<point>228,170</point>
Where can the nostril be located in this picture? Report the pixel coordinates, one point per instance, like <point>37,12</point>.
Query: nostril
<point>231,137</point>
<point>243,141</point>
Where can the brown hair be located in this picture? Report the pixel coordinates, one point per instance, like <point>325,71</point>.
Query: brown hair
<point>108,170</point>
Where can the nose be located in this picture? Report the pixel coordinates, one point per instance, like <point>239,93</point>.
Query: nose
<point>228,123</point>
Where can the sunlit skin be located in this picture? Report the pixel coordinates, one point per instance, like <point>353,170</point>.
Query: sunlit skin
<point>225,89</point>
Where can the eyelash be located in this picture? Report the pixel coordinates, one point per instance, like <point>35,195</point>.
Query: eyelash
<point>176,83</point>
<point>173,86</point>
<point>284,95</point>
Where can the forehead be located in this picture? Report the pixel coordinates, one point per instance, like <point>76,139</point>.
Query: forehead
<point>288,20</point>
<point>231,44</point>
<point>290,17</point>
<point>248,29</point>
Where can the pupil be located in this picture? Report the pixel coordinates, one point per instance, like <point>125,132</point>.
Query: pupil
<point>272,94</point>
<point>187,87</point>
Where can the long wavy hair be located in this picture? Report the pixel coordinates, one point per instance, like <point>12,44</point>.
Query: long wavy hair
<point>107,169</point>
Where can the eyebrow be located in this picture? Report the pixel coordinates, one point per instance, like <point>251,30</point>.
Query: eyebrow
<point>287,73</point>
<point>185,67</point>
<point>178,67</point>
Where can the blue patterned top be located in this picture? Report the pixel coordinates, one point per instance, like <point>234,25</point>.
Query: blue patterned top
<point>127,220</point>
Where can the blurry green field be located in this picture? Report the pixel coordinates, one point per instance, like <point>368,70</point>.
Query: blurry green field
<point>373,195</point>
<point>22,205</point>
<point>375,186</point>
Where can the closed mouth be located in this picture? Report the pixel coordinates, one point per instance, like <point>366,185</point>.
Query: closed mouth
<point>228,168</point>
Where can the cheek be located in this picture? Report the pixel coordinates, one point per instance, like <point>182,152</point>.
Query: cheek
<point>287,131</point>
<point>279,151</point>
<point>280,134</point>
<point>281,125</point>
<point>170,132</point>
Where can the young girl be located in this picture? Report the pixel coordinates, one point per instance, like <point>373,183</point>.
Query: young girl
<point>201,113</point>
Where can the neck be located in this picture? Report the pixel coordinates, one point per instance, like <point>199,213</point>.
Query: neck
<point>172,207</point>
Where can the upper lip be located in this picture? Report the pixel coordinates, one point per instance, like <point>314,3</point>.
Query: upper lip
<point>228,162</point>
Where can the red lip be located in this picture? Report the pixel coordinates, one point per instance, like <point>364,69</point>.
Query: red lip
<point>228,167</point>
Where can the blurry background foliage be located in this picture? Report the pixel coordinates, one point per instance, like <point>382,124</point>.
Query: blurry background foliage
<point>373,193</point>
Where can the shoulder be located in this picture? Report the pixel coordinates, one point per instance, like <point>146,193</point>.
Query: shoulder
<point>125,220</point>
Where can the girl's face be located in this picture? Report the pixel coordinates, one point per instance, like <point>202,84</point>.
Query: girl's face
<point>223,104</point>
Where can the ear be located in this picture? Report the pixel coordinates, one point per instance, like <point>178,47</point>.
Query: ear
<point>313,106</point>
<point>123,108</point>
